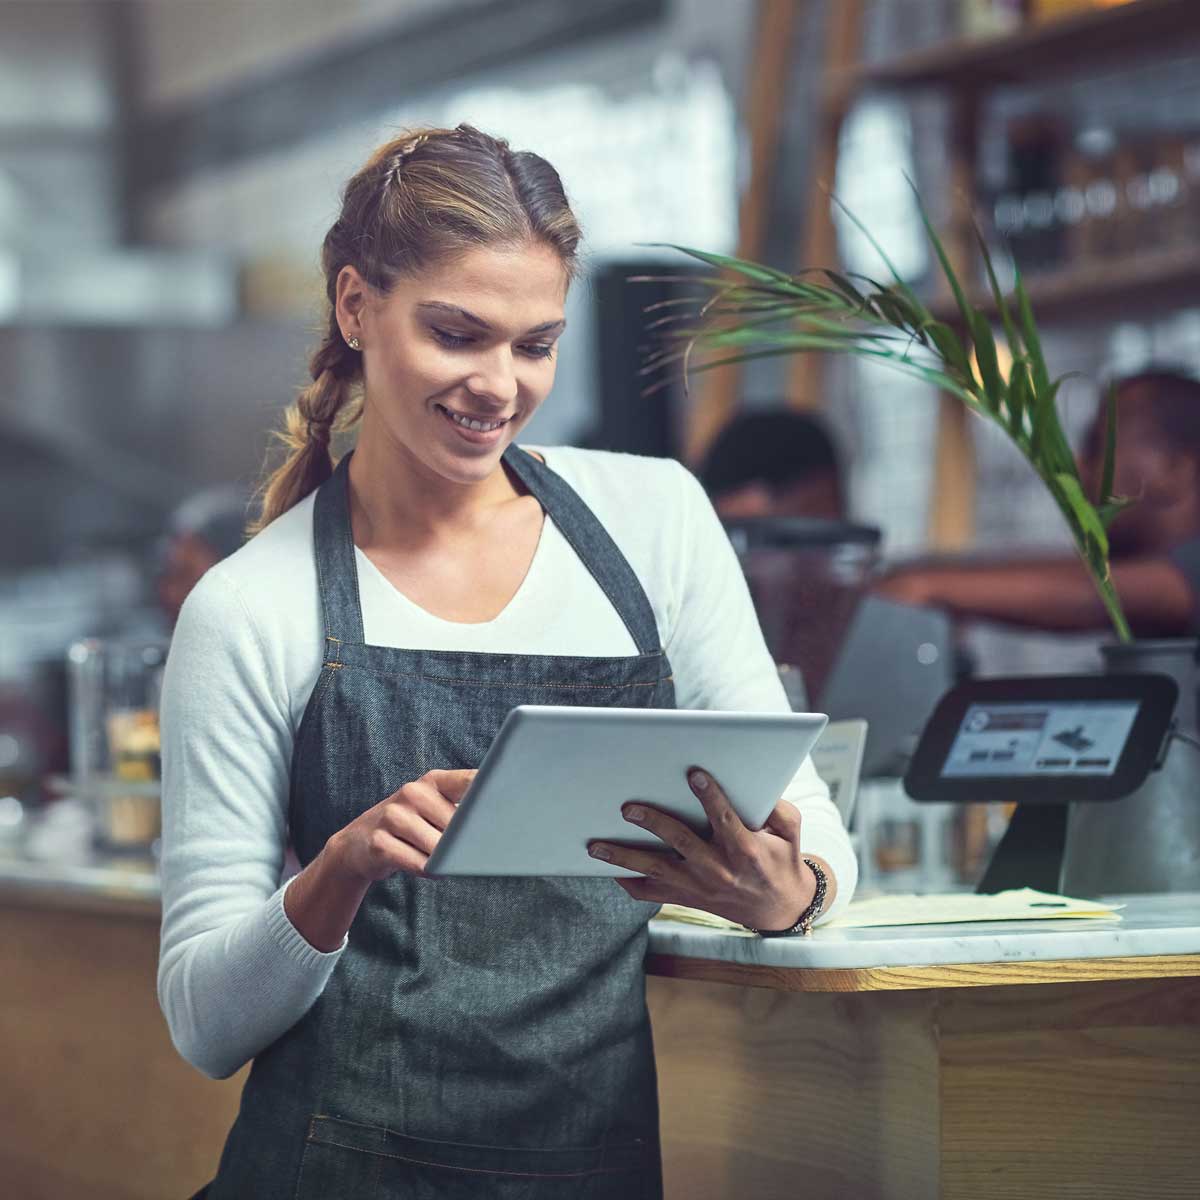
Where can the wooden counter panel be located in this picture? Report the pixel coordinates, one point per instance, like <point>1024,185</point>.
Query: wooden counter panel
<point>949,975</point>
<point>1097,1087</point>
<point>94,1099</point>
<point>1079,1090</point>
<point>774,1094</point>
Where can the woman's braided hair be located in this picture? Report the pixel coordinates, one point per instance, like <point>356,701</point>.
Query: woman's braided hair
<point>423,198</point>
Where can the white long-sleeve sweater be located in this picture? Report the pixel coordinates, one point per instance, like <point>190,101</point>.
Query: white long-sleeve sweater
<point>234,973</point>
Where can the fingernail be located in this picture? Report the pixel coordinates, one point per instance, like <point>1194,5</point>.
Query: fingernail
<point>600,852</point>
<point>698,780</point>
<point>635,813</point>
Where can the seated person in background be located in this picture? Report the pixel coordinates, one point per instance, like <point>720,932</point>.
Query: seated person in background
<point>1154,543</point>
<point>204,529</point>
<point>777,463</point>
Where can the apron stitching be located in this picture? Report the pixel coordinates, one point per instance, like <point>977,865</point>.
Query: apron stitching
<point>429,1162</point>
<point>585,687</point>
<point>326,1118</point>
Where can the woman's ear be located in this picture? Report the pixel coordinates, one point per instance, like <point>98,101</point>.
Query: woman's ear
<point>350,300</point>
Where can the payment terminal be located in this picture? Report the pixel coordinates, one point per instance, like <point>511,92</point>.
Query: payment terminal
<point>1043,742</point>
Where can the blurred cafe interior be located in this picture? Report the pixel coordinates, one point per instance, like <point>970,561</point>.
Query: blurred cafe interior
<point>991,587</point>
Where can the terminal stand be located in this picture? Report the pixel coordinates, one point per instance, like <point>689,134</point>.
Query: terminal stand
<point>1030,853</point>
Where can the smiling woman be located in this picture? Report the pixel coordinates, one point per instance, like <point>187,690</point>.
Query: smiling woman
<point>337,681</point>
<point>428,284</point>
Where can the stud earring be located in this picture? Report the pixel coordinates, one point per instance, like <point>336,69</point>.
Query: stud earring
<point>353,343</point>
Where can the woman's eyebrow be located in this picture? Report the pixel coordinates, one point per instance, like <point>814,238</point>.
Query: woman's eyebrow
<point>480,323</point>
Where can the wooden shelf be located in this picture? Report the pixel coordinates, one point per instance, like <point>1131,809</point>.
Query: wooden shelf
<point>1070,46</point>
<point>1100,285</point>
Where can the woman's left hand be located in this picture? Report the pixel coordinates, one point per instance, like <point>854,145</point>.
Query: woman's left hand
<point>756,878</point>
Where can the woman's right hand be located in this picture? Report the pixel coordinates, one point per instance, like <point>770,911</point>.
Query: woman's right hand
<point>400,833</point>
<point>397,834</point>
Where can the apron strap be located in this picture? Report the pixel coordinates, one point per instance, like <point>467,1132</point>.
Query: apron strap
<point>337,569</point>
<point>594,545</point>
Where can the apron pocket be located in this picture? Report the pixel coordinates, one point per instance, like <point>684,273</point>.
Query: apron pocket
<point>353,1161</point>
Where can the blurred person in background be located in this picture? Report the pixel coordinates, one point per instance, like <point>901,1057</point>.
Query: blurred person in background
<point>1155,542</point>
<point>777,463</point>
<point>206,528</point>
<point>340,677</point>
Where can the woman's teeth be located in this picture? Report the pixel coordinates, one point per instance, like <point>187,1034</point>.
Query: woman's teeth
<point>471,423</point>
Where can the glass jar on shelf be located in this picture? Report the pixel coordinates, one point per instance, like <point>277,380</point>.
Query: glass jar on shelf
<point>114,687</point>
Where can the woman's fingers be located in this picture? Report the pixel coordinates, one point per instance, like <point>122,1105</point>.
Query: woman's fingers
<point>654,864</point>
<point>435,796</point>
<point>728,830</point>
<point>670,830</point>
<point>647,889</point>
<point>452,784</point>
<point>408,825</point>
<point>785,821</point>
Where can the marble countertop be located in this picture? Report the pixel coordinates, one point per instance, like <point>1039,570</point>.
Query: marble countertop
<point>1151,925</point>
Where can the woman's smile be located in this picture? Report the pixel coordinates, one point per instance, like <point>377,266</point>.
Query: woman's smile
<point>478,430</point>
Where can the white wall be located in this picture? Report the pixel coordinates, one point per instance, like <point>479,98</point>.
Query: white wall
<point>645,142</point>
<point>194,47</point>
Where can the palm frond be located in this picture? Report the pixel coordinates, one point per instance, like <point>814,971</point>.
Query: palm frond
<point>749,311</point>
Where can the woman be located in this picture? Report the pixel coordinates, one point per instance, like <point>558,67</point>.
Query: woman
<point>338,679</point>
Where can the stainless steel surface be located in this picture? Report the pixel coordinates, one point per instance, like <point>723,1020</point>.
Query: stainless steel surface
<point>1150,841</point>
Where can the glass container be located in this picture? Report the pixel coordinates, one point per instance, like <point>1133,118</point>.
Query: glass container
<point>113,689</point>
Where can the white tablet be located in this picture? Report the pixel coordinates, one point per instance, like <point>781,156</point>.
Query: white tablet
<point>555,779</point>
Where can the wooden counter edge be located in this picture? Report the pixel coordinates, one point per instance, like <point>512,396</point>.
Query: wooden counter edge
<point>944,975</point>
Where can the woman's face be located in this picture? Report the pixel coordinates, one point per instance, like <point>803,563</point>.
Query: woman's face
<point>458,357</point>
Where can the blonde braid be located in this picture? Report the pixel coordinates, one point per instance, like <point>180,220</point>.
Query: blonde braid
<point>323,408</point>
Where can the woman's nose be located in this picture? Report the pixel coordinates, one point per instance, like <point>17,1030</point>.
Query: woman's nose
<point>495,379</point>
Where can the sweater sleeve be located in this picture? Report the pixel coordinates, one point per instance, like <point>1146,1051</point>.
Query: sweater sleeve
<point>234,973</point>
<point>721,661</point>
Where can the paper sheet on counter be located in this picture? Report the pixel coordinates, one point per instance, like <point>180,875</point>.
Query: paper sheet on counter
<point>1017,904</point>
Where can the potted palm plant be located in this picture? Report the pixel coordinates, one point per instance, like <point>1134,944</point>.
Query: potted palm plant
<point>1149,841</point>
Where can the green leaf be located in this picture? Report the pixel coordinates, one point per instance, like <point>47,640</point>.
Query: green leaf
<point>1111,508</point>
<point>843,285</point>
<point>895,310</point>
<point>1041,377</point>
<point>960,297</point>
<point>989,366</point>
<point>724,262</point>
<point>1020,403</point>
<point>950,348</point>
<point>1087,517</point>
<point>900,283</point>
<point>1006,319</point>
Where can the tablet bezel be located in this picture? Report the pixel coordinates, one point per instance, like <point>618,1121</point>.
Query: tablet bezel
<point>667,726</point>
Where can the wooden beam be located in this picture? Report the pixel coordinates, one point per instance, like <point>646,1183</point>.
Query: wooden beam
<point>952,497</point>
<point>714,396</point>
<point>843,37</point>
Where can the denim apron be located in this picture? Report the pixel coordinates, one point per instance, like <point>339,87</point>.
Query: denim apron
<point>479,1037</point>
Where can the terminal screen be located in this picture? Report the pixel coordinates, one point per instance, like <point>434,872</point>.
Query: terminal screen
<point>1040,738</point>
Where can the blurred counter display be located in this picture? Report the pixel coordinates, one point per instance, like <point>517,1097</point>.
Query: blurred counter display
<point>114,688</point>
<point>806,578</point>
<point>926,848</point>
